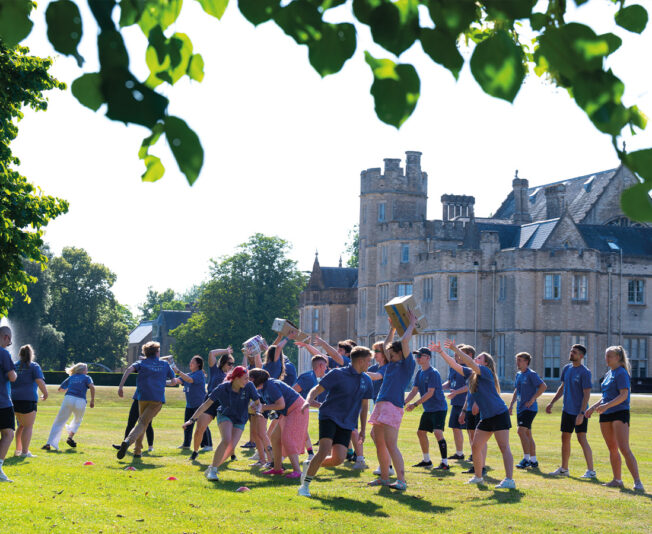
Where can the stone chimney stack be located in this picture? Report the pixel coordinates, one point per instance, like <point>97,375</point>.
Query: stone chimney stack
<point>521,201</point>
<point>412,164</point>
<point>457,206</point>
<point>392,166</point>
<point>555,201</point>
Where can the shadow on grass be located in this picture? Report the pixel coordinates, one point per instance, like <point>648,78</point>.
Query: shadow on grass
<point>344,504</point>
<point>137,463</point>
<point>416,502</point>
<point>511,496</point>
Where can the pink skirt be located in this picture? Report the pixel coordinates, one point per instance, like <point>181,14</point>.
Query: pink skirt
<point>385,413</point>
<point>294,429</point>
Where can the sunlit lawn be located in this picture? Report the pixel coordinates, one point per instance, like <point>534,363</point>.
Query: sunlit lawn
<point>55,492</point>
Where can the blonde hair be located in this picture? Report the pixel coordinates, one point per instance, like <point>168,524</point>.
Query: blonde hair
<point>489,362</point>
<point>525,356</point>
<point>380,346</point>
<point>77,368</point>
<point>623,359</point>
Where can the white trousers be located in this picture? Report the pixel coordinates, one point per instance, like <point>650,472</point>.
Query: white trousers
<point>70,405</point>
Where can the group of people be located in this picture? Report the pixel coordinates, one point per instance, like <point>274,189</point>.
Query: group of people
<point>266,392</point>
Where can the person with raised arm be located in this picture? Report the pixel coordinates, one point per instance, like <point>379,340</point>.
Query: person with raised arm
<point>388,411</point>
<point>470,417</point>
<point>457,397</point>
<point>337,357</point>
<point>309,380</point>
<point>613,408</point>
<point>194,388</point>
<point>480,374</point>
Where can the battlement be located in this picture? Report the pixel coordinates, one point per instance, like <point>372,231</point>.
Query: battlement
<point>395,179</point>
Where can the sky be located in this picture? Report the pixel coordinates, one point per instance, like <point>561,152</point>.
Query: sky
<point>284,148</point>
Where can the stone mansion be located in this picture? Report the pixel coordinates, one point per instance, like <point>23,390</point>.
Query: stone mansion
<point>557,264</point>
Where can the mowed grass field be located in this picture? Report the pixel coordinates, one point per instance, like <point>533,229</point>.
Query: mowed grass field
<point>55,492</point>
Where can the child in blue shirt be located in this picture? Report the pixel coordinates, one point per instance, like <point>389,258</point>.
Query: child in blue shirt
<point>194,388</point>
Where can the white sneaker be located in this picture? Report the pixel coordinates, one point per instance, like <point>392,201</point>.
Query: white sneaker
<point>304,472</point>
<point>255,456</point>
<point>589,474</point>
<point>475,480</point>
<point>208,448</point>
<point>310,456</point>
<point>184,447</point>
<point>18,453</point>
<point>507,483</point>
<point>3,477</point>
<point>638,486</point>
<point>28,455</point>
<point>391,471</point>
<point>150,449</point>
<point>211,473</point>
<point>560,472</point>
<point>304,490</point>
<point>360,464</point>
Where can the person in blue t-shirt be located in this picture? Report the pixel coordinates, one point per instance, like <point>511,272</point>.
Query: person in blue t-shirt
<point>309,380</point>
<point>153,374</point>
<point>7,419</point>
<point>24,395</point>
<point>613,408</point>
<point>194,388</point>
<point>457,396</point>
<point>575,386</point>
<point>274,362</point>
<point>494,415</point>
<point>337,357</point>
<point>388,411</point>
<point>348,392</point>
<point>236,395</point>
<point>74,402</point>
<point>290,372</point>
<point>427,384</point>
<point>528,387</point>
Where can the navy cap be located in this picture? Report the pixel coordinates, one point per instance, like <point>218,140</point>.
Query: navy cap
<point>423,351</point>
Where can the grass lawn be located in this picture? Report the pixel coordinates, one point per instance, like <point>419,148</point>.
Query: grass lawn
<point>55,492</point>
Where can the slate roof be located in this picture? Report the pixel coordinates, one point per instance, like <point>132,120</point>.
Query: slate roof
<point>339,277</point>
<point>636,241</point>
<point>173,318</point>
<point>140,332</point>
<point>581,194</point>
<point>507,233</point>
<point>534,235</point>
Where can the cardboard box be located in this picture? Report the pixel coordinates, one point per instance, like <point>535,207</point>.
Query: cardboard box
<point>397,309</point>
<point>283,327</point>
<point>255,344</point>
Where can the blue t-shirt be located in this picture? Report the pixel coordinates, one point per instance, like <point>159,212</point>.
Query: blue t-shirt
<point>425,380</point>
<point>274,368</point>
<point>152,375</point>
<point>215,377</point>
<point>274,390</point>
<point>614,381</point>
<point>290,373</point>
<point>77,385</point>
<point>6,365</point>
<point>307,381</point>
<point>456,381</point>
<point>346,388</point>
<point>234,405</point>
<point>575,380</point>
<point>332,364</point>
<point>195,392</point>
<point>25,388</point>
<point>397,377</point>
<point>526,385</point>
<point>486,396</point>
<point>470,401</point>
<point>375,368</point>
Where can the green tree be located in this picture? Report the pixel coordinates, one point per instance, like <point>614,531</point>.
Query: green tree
<point>352,249</point>
<point>245,293</point>
<point>571,55</point>
<point>24,210</point>
<point>155,302</point>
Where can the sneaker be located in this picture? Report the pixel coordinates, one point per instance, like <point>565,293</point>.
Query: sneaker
<point>507,483</point>
<point>3,477</point>
<point>248,445</point>
<point>360,464</point>
<point>304,470</point>
<point>116,447</point>
<point>560,472</point>
<point>311,456</point>
<point>423,463</point>
<point>379,482</point>
<point>273,472</point>
<point>589,474</point>
<point>233,456</point>
<point>457,457</point>
<point>18,453</point>
<point>28,455</point>
<point>122,450</point>
<point>304,491</point>
<point>294,474</point>
<point>350,457</point>
<point>469,470</point>
<point>399,485</point>
<point>184,447</point>
<point>523,464</point>
<point>534,465</point>
<point>475,480</point>
<point>48,447</point>
<point>471,458</point>
<point>257,464</point>
<point>484,471</point>
<point>207,448</point>
<point>391,471</point>
<point>211,473</point>
<point>615,484</point>
<point>150,449</point>
<point>255,456</point>
<point>443,467</point>
<point>193,456</point>
<point>71,442</point>
<point>638,486</point>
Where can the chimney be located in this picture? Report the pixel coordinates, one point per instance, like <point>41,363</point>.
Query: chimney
<point>413,163</point>
<point>392,165</point>
<point>555,201</point>
<point>457,206</point>
<point>521,201</point>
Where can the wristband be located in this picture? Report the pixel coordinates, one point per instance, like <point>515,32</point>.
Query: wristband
<point>193,419</point>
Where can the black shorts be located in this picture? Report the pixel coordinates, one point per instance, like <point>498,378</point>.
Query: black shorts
<point>212,409</point>
<point>471,420</point>
<point>23,406</point>
<point>620,415</point>
<point>431,421</point>
<point>331,430</point>
<point>502,421</point>
<point>568,424</point>
<point>7,419</point>
<point>525,418</point>
<point>453,420</point>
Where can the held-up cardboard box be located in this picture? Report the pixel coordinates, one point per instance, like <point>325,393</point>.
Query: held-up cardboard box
<point>397,309</point>
<point>255,344</point>
<point>283,326</point>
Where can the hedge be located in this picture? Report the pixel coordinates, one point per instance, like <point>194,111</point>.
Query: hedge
<point>99,378</point>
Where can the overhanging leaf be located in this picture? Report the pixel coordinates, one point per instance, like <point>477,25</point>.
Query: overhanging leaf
<point>196,68</point>
<point>497,65</point>
<point>64,28</point>
<point>161,13</point>
<point>441,46</point>
<point>453,16</point>
<point>636,202</point>
<point>632,18</point>
<point>154,171</point>
<point>640,162</point>
<point>15,23</point>
<point>258,11</point>
<point>87,89</point>
<point>395,25</point>
<point>185,146</point>
<point>215,8</point>
<point>333,48</point>
<point>509,10</point>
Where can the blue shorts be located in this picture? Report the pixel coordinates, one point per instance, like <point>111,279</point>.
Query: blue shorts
<point>453,421</point>
<point>221,418</point>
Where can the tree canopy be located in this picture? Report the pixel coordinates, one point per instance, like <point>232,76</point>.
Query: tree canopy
<point>570,55</point>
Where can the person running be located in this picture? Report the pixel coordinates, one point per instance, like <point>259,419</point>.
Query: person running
<point>494,415</point>
<point>388,411</point>
<point>457,396</point>
<point>575,386</point>
<point>194,388</point>
<point>7,419</point>
<point>528,387</point>
<point>348,392</point>
<point>613,408</point>
<point>288,436</point>
<point>234,396</point>
<point>428,384</point>
<point>24,395</point>
<point>309,380</point>
<point>153,373</point>
<point>74,402</point>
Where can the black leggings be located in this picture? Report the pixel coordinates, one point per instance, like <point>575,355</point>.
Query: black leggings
<point>133,419</point>
<point>206,440</point>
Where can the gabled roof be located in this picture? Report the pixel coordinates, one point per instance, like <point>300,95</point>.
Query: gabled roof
<point>173,318</point>
<point>633,240</point>
<point>339,277</point>
<point>534,235</point>
<point>139,333</point>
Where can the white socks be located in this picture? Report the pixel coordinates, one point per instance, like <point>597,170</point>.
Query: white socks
<point>426,457</point>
